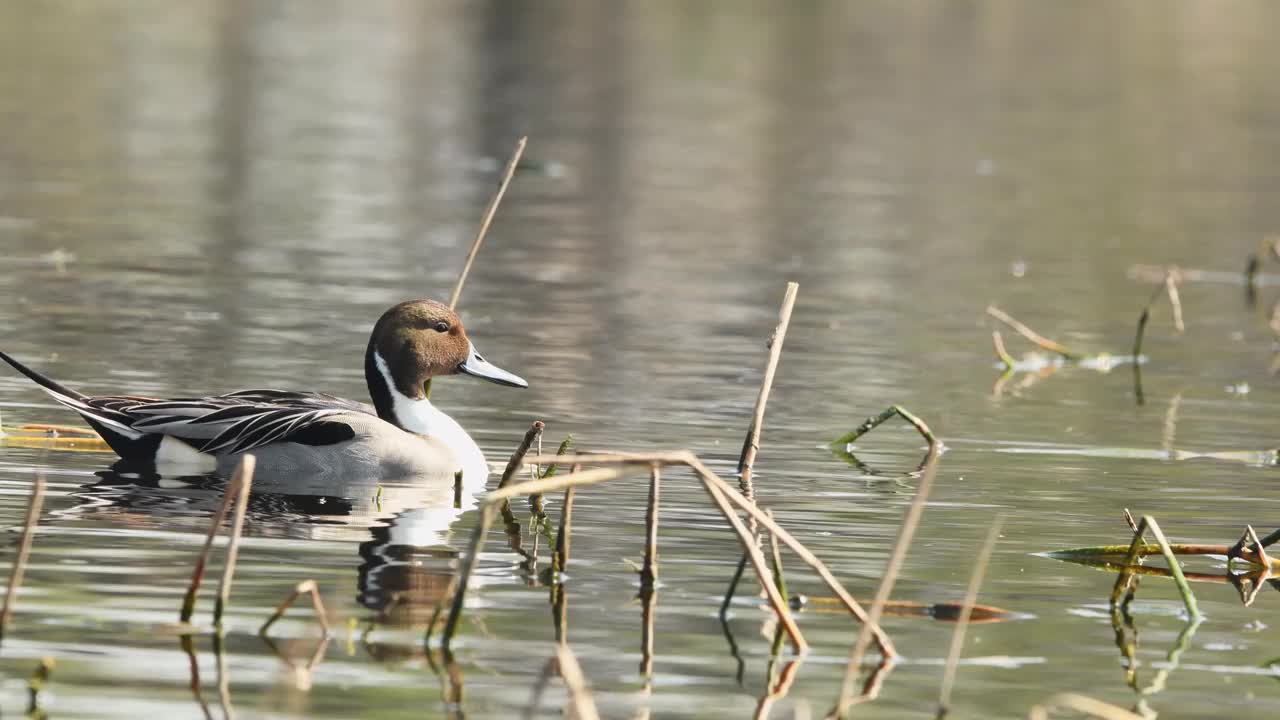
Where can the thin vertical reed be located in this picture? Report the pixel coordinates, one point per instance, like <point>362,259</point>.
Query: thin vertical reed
<point>966,611</point>
<point>245,473</point>
<point>16,573</point>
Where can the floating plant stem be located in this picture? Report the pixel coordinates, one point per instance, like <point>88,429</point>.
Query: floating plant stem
<point>1001,352</point>
<point>1032,335</point>
<point>906,534</point>
<point>306,586</point>
<point>244,473</point>
<point>34,505</point>
<point>962,624</point>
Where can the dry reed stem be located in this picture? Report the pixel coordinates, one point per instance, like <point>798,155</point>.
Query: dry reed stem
<point>962,625</point>
<point>244,472</point>
<point>1120,552</point>
<point>488,219</point>
<point>563,535</point>
<point>582,706</point>
<point>223,676</point>
<point>306,586</point>
<point>1126,575</point>
<point>906,533</point>
<point>751,445</point>
<point>16,573</point>
<point>778,690</point>
<point>649,572</point>
<point>997,341</point>
<point>692,461</point>
<point>1081,703</point>
<point>202,561</point>
<point>540,684</point>
<point>1171,281</point>
<point>534,433</point>
<point>1030,334</point>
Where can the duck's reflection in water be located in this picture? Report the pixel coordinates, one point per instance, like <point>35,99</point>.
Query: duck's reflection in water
<point>400,531</point>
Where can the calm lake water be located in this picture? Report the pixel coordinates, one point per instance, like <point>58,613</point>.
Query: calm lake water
<point>208,196</point>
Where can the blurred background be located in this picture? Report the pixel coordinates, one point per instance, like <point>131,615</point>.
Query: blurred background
<point>205,196</point>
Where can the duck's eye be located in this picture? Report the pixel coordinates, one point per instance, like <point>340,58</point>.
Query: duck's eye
<point>442,326</point>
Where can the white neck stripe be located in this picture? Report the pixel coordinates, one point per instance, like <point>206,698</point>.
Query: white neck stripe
<point>416,416</point>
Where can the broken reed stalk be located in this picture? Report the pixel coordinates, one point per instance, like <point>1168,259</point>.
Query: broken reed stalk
<point>876,421</point>
<point>751,445</point>
<point>245,475</point>
<point>517,460</point>
<point>649,571</point>
<point>1083,704</point>
<point>36,684</point>
<point>722,494</point>
<point>1143,319</point>
<point>584,707</point>
<point>487,220</point>
<point>1122,582</point>
<point>197,575</point>
<point>962,624</point>
<point>306,586</point>
<point>19,568</point>
<point>1032,335</point>
<point>711,482</point>
<point>561,558</point>
<point>535,501</point>
<point>906,533</point>
<point>1001,352</point>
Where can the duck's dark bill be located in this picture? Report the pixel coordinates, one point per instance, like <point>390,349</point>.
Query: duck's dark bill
<point>481,368</point>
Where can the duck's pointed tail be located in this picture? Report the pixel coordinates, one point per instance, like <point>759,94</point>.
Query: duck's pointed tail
<point>113,426</point>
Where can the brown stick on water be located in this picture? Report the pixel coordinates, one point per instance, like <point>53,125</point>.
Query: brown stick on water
<point>34,505</point>
<point>649,572</point>
<point>306,586</point>
<point>245,473</point>
<point>197,575</point>
<point>686,458</point>
<point>584,707</point>
<point>517,460</point>
<point>722,494</point>
<point>1030,334</point>
<point>906,532</point>
<point>962,624</point>
<point>751,445</point>
<point>488,219</point>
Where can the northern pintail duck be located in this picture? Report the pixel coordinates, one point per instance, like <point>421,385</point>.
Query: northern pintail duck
<point>291,432</point>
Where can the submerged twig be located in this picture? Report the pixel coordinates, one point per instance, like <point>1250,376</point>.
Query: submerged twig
<point>1081,703</point>
<point>245,475</point>
<point>487,220</point>
<point>962,624</point>
<point>36,685</point>
<point>19,568</point>
<point>306,586</point>
<point>649,571</point>
<point>906,533</point>
<point>584,707</point>
<point>1032,335</point>
<point>560,560</point>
